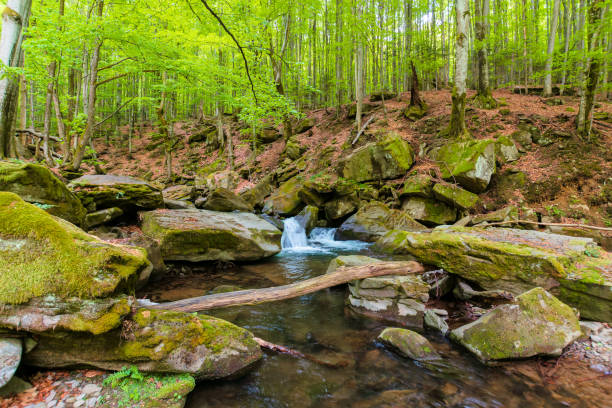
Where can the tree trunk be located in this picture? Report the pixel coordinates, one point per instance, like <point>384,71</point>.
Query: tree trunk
<point>552,35</point>
<point>457,127</point>
<point>256,296</point>
<point>339,50</point>
<point>484,98</point>
<point>90,106</point>
<point>596,14</point>
<point>566,37</point>
<point>359,73</point>
<point>14,18</point>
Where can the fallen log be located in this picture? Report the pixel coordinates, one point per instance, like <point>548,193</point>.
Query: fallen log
<point>257,296</point>
<point>297,354</point>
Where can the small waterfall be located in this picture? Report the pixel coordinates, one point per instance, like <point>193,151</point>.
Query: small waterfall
<point>294,235</point>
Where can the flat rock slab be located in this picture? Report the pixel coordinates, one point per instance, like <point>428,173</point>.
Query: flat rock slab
<point>575,269</point>
<point>10,357</point>
<point>201,235</point>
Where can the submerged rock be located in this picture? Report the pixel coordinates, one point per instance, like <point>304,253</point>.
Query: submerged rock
<point>576,269</point>
<point>37,185</point>
<point>222,199</point>
<point>101,191</point>
<point>433,321</point>
<point>202,235</point>
<point>10,357</point>
<point>409,344</point>
<point>374,220</point>
<point>537,323</point>
<point>155,341</point>
<point>43,255</point>
<point>469,163</point>
<point>388,159</point>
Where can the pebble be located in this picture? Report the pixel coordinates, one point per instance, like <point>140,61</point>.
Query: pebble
<point>50,397</point>
<point>79,403</point>
<point>92,402</point>
<point>91,389</point>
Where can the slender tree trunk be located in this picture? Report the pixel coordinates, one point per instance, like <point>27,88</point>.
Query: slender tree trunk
<point>359,74</point>
<point>339,50</point>
<point>14,18</point>
<point>566,36</point>
<point>457,128</point>
<point>552,35</point>
<point>484,98</point>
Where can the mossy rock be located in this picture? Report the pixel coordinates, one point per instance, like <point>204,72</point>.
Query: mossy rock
<point>385,94</point>
<point>418,185</point>
<point>293,150</point>
<point>36,184</point>
<point>98,192</point>
<point>508,213</point>
<point>286,200</point>
<point>456,196</point>
<point>50,313</point>
<point>505,150</point>
<point>304,125</point>
<point>469,163</point>
<point>374,220</point>
<point>268,135</point>
<point>201,235</point>
<point>44,255</point>
<point>429,211</point>
<point>365,108</point>
<point>575,269</point>
<point>536,323</point>
<point>350,260</point>
<point>523,138</point>
<point>256,195</point>
<point>308,218</point>
<point>155,341</point>
<point>409,344</point>
<point>388,159</point>
<point>415,112</point>
<point>341,207</point>
<point>222,199</point>
<point>102,217</point>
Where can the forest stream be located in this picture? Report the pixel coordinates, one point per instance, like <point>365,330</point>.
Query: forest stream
<point>365,373</point>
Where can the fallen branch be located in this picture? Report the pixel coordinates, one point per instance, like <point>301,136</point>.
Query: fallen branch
<point>363,128</point>
<point>285,350</point>
<point>257,296</point>
<point>114,113</point>
<point>549,224</point>
<point>34,133</point>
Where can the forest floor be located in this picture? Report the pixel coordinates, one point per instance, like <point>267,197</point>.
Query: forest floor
<point>568,175</point>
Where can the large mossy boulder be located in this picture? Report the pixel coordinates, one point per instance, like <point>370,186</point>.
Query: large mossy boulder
<point>255,196</point>
<point>469,163</point>
<point>286,200</point>
<point>429,211</point>
<point>388,159</point>
<point>374,220</point>
<point>222,199</point>
<point>201,235</point>
<point>154,341</point>
<point>340,207</point>
<point>574,269</point>
<point>409,344</point>
<point>43,255</point>
<point>36,184</point>
<point>101,191</point>
<point>535,323</point>
<point>418,185</point>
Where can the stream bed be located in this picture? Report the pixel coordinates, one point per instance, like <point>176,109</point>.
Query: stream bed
<point>364,373</point>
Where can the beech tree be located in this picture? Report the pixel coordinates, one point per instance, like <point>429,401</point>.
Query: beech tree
<point>457,127</point>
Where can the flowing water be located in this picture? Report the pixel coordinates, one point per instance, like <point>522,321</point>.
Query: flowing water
<point>365,373</point>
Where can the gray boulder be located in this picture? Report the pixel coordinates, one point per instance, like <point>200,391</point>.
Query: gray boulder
<point>409,344</point>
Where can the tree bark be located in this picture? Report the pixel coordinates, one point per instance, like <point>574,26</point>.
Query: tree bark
<point>14,18</point>
<point>484,98</point>
<point>359,73</point>
<point>257,296</point>
<point>552,35</point>
<point>457,128</point>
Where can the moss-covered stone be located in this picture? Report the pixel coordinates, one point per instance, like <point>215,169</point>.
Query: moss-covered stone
<point>43,255</point>
<point>286,200</point>
<point>536,323</point>
<point>102,217</point>
<point>155,341</point>
<point>375,219</point>
<point>455,196</point>
<point>222,199</point>
<point>388,159</point>
<point>256,195</point>
<point>470,163</point>
<point>341,207</point>
<point>419,185</point>
<point>98,192</point>
<point>50,313</point>
<point>409,344</point>
<point>202,235</point>
<point>508,213</point>
<point>517,260</point>
<point>429,211</point>
<point>505,150</point>
<point>146,390</point>
<point>36,184</point>
<point>415,112</point>
<point>304,125</point>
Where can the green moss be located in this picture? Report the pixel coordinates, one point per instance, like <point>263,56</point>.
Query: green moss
<point>37,184</point>
<point>102,324</point>
<point>56,257</point>
<point>456,196</point>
